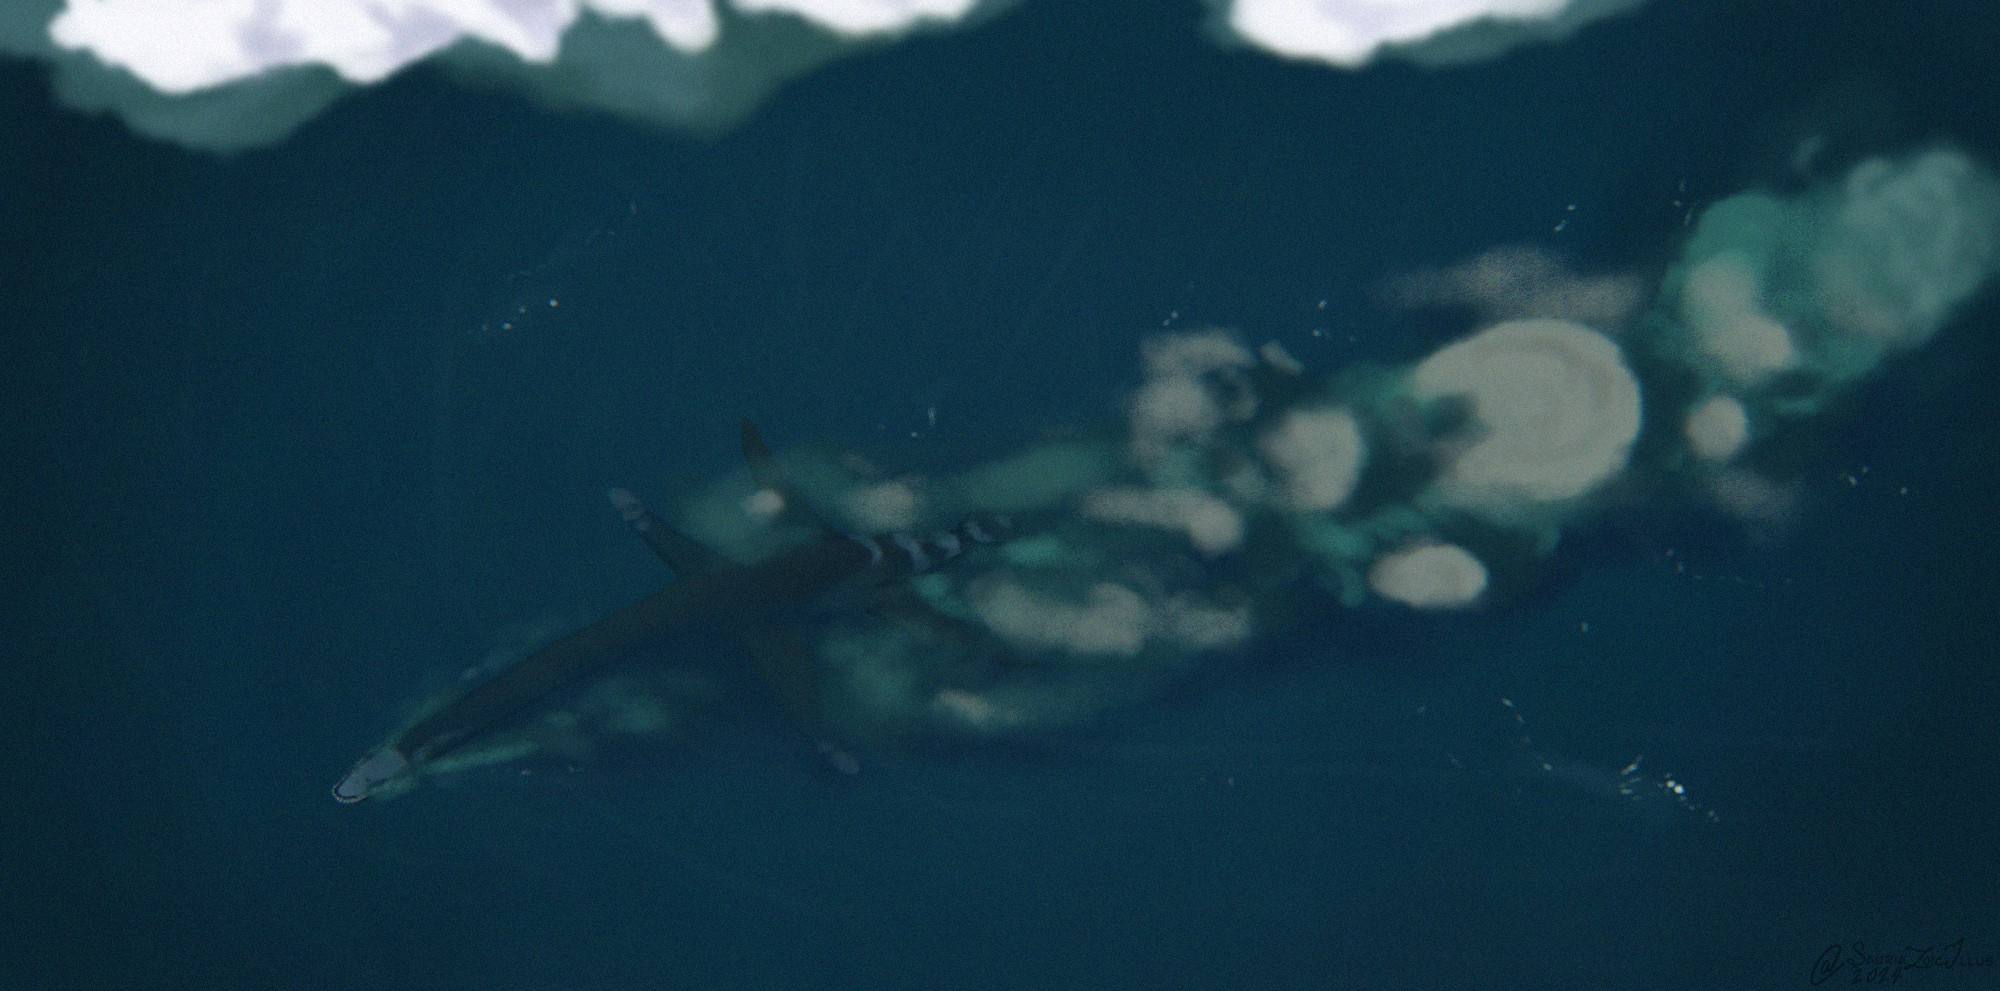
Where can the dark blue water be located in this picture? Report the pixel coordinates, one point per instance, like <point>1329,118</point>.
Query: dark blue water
<point>288,441</point>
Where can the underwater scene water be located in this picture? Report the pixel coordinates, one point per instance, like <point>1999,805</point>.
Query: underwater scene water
<point>1511,509</point>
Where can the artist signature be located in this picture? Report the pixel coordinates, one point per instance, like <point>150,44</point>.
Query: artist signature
<point>1862,966</point>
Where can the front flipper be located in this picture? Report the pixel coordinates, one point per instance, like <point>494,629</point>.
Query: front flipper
<point>682,553</point>
<point>782,659</point>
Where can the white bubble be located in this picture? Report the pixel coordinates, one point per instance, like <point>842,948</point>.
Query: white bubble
<point>974,712</point>
<point>1722,303</point>
<point>1717,428</point>
<point>1320,454</point>
<point>884,507</point>
<point>1907,242</point>
<point>764,505</point>
<point>1113,620</point>
<point>1200,627</point>
<point>1430,576</point>
<point>1517,282</point>
<point>1171,409</point>
<point>1194,355</point>
<point>1194,385</point>
<point>1275,355</point>
<point>1212,526</point>
<point>1558,406</point>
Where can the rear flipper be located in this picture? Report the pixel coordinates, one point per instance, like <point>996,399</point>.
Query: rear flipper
<point>781,658</point>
